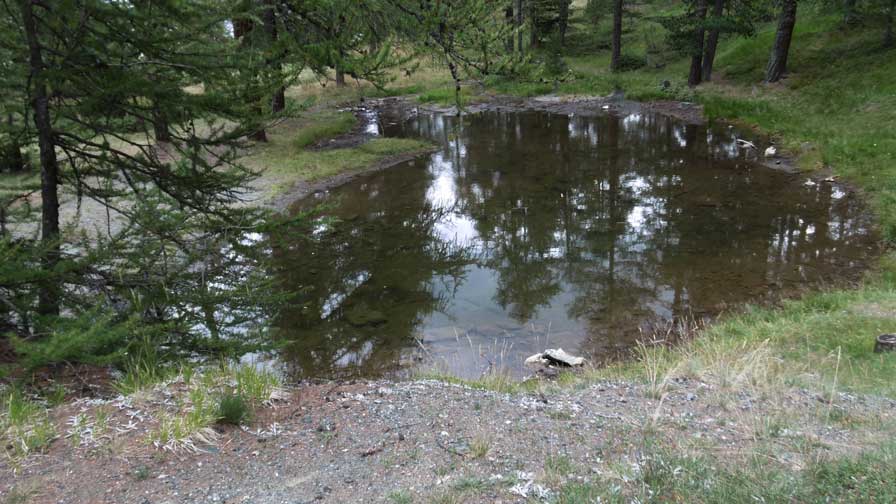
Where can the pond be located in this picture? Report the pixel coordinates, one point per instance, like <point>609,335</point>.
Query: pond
<point>528,230</point>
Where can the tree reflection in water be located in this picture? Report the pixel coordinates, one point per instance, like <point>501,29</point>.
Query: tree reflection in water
<point>529,229</point>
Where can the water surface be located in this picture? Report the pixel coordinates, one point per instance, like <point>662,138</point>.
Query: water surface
<point>528,230</point>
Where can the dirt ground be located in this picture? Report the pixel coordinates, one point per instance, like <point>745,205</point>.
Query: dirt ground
<point>428,441</point>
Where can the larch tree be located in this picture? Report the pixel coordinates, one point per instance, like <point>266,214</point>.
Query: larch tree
<point>777,63</point>
<point>695,75</point>
<point>616,44</point>
<point>467,36</point>
<point>100,75</point>
<point>889,16</point>
<point>519,14</point>
<point>712,40</point>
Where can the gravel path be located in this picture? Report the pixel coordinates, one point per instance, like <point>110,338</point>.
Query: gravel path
<point>428,441</point>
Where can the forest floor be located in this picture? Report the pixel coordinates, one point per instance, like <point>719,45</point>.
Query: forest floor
<point>580,441</point>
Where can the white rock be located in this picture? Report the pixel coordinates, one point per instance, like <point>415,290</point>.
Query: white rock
<point>558,355</point>
<point>536,359</point>
<point>771,151</point>
<point>555,356</point>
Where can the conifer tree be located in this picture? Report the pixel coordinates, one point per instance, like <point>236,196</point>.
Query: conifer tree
<point>105,82</point>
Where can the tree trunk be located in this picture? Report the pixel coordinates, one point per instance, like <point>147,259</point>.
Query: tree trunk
<point>617,35</point>
<point>697,55</point>
<point>340,77</point>
<point>509,20</point>
<point>519,27</point>
<point>533,27</point>
<point>850,16</point>
<point>278,102</point>
<point>564,21</point>
<point>712,41</point>
<point>49,291</point>
<point>11,159</point>
<point>888,33</point>
<point>777,63</point>
<point>160,126</point>
<point>242,28</point>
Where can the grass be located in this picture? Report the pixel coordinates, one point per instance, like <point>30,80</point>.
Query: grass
<point>285,157</point>
<point>823,341</point>
<point>446,96</point>
<point>143,372</point>
<point>557,468</point>
<point>325,125</point>
<point>190,427</point>
<point>21,495</point>
<point>233,409</point>
<point>497,381</point>
<point>479,447</point>
<point>254,384</point>
<point>665,475</point>
<point>25,426</point>
<point>229,393</point>
<point>400,497</point>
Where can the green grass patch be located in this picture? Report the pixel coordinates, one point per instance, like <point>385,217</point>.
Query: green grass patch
<point>286,156</point>
<point>446,96</point>
<point>25,426</point>
<point>324,126</point>
<point>144,370</point>
<point>233,409</point>
<point>312,165</point>
<point>666,475</point>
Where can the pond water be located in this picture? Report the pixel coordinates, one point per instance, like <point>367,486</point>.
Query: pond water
<point>529,230</point>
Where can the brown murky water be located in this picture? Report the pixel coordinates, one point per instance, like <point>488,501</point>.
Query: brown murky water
<point>529,230</point>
